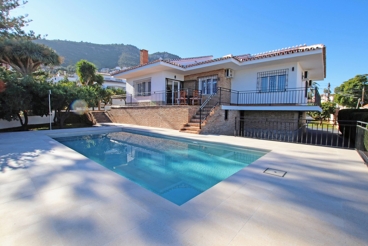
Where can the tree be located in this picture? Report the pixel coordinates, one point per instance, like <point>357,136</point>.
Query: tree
<point>328,108</point>
<point>349,92</point>
<point>64,93</point>
<point>86,72</point>
<point>67,96</point>
<point>20,96</point>
<point>11,27</point>
<point>25,57</point>
<point>105,95</point>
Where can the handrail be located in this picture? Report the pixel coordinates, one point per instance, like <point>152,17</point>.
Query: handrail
<point>204,104</point>
<point>260,91</point>
<point>227,96</point>
<point>254,97</point>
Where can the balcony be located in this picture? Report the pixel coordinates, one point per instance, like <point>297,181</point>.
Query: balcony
<point>225,96</point>
<point>185,96</point>
<point>294,96</point>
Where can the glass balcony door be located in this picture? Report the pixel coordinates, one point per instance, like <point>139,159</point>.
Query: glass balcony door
<point>172,91</point>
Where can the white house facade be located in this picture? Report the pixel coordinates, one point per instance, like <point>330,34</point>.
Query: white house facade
<point>275,81</point>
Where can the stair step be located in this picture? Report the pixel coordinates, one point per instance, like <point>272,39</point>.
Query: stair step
<point>192,124</point>
<point>198,116</point>
<point>101,117</point>
<point>190,128</point>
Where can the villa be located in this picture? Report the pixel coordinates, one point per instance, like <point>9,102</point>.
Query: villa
<point>129,184</point>
<point>208,95</point>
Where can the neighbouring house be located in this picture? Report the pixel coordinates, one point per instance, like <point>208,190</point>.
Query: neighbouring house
<point>112,82</point>
<point>326,98</point>
<point>109,81</point>
<point>220,95</point>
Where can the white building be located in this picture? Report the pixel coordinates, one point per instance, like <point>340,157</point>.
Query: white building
<point>109,81</point>
<point>270,85</point>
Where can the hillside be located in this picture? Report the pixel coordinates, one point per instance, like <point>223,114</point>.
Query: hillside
<point>102,55</point>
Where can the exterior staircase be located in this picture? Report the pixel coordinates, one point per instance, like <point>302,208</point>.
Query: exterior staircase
<point>101,117</point>
<point>193,125</point>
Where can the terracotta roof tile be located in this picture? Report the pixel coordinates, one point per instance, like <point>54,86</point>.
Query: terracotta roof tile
<point>274,53</point>
<point>281,52</point>
<point>189,58</point>
<point>131,68</point>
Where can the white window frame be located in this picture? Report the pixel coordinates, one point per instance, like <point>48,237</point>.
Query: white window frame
<point>142,87</point>
<point>208,85</point>
<point>272,81</point>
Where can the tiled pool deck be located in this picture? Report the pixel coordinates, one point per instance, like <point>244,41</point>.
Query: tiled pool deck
<point>60,197</point>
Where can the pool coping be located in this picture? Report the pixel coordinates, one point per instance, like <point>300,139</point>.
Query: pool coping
<point>219,215</point>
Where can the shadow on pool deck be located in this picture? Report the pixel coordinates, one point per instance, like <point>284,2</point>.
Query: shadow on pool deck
<point>53,195</point>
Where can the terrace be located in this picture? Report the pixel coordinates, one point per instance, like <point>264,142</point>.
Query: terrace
<point>54,195</point>
<point>188,96</point>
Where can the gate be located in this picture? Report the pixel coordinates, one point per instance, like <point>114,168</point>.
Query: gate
<point>301,131</point>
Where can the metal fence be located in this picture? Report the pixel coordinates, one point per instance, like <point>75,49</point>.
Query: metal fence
<point>291,96</point>
<point>302,131</point>
<point>361,140</point>
<point>186,96</point>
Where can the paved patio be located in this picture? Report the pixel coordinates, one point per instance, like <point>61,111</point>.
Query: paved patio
<point>51,195</point>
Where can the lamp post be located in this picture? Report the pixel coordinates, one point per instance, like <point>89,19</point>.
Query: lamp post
<point>50,113</point>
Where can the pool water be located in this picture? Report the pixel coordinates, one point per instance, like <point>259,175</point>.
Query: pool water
<point>176,169</point>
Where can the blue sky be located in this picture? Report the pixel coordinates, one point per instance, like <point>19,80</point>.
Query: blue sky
<point>195,28</point>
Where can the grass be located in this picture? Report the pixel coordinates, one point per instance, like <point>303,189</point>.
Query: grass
<point>316,124</point>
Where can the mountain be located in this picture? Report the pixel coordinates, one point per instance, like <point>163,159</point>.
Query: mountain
<point>102,55</point>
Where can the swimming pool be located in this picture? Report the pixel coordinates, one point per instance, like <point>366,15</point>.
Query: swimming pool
<point>176,169</point>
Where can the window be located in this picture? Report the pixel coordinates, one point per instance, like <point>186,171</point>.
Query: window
<point>208,85</point>
<point>270,81</point>
<point>142,87</point>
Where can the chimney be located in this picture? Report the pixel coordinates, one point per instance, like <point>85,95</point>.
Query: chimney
<point>144,57</point>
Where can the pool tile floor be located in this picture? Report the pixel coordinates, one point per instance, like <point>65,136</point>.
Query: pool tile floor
<point>51,195</point>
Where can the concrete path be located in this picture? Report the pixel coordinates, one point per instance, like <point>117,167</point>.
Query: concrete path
<point>51,195</point>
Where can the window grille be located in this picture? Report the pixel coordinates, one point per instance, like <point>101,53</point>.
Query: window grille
<point>275,80</point>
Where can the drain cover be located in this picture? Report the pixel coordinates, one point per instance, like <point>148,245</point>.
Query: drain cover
<point>275,172</point>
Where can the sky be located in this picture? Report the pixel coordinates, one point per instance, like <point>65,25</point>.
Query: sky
<point>190,28</point>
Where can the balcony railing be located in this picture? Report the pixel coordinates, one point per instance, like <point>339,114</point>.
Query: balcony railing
<point>225,96</point>
<point>293,96</point>
<point>186,96</point>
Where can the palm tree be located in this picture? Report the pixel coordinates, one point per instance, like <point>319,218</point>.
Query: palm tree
<point>25,57</point>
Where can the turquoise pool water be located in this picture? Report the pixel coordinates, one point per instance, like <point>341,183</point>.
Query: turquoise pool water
<point>176,169</point>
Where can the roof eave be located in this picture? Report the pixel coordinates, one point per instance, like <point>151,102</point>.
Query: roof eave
<point>144,67</point>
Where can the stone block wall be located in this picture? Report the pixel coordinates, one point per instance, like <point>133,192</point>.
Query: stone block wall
<point>269,124</point>
<point>217,124</point>
<point>171,117</point>
<point>274,120</point>
<point>192,82</point>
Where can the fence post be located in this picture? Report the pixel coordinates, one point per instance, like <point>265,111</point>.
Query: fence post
<point>187,95</point>
<point>235,130</point>
<point>237,99</point>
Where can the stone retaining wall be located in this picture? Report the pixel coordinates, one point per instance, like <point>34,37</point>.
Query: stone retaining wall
<point>217,124</point>
<point>171,117</point>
